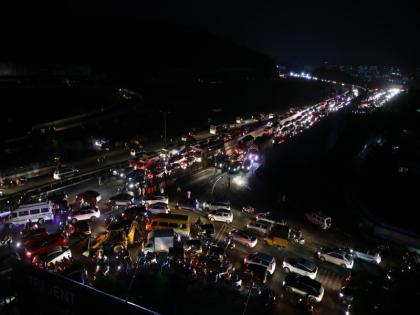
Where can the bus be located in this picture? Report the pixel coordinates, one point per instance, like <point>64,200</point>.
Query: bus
<point>162,221</point>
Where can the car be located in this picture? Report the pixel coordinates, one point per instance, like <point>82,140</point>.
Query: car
<point>300,266</point>
<point>259,274</point>
<point>214,205</point>
<point>79,228</point>
<point>176,159</point>
<point>124,199</point>
<point>319,218</point>
<point>85,213</point>
<point>90,197</point>
<point>304,286</point>
<point>221,161</point>
<point>261,259</point>
<point>152,199</point>
<point>63,173</point>
<point>43,245</point>
<point>279,139</point>
<point>158,207</point>
<point>221,215</point>
<point>138,176</point>
<point>54,255</point>
<point>189,204</point>
<point>188,138</point>
<point>246,165</point>
<point>299,302</point>
<point>259,226</point>
<point>30,236</point>
<point>235,167</point>
<point>336,256</point>
<point>116,171</point>
<point>126,172</point>
<point>253,154</point>
<point>270,218</point>
<point>244,237</point>
<point>134,212</point>
<point>367,255</point>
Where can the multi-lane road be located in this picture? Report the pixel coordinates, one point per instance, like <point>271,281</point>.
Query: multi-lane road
<point>265,194</point>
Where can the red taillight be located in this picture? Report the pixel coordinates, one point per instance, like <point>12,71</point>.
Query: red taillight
<point>28,254</point>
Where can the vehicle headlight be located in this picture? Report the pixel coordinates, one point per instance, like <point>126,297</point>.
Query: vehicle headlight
<point>18,244</point>
<point>131,186</point>
<point>341,294</point>
<point>121,175</point>
<point>284,282</point>
<point>69,218</point>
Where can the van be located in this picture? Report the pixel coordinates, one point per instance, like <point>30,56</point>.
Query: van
<point>176,222</point>
<point>318,218</point>
<point>35,212</point>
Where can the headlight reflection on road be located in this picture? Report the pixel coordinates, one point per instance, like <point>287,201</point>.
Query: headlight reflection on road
<point>239,180</point>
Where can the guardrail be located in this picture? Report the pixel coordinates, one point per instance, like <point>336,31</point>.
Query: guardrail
<point>61,184</point>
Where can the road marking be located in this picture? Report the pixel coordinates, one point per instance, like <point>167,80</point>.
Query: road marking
<point>330,280</point>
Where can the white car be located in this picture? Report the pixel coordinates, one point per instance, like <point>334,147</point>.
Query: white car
<point>150,200</point>
<point>244,237</point>
<point>84,214</point>
<point>159,207</point>
<point>337,257</point>
<point>215,205</point>
<point>259,226</point>
<point>64,173</point>
<point>261,259</point>
<point>221,215</point>
<point>123,199</point>
<point>301,267</point>
<point>368,255</point>
<point>54,255</point>
<point>304,286</point>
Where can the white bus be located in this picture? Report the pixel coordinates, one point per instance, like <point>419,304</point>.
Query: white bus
<point>34,212</point>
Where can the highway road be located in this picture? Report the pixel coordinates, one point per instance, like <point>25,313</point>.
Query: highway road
<point>286,191</point>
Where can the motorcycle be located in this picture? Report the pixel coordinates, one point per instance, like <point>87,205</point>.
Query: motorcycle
<point>229,243</point>
<point>248,209</point>
<point>296,237</point>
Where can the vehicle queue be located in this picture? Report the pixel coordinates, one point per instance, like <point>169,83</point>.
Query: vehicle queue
<point>140,225</point>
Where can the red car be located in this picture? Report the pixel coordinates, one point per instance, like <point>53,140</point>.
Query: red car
<point>43,245</point>
<point>33,237</point>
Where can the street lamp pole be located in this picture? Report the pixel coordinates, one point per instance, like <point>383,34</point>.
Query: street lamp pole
<point>165,113</point>
<point>249,295</point>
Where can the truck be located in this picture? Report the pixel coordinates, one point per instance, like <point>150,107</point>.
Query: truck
<point>278,235</point>
<point>159,241</point>
<point>117,237</point>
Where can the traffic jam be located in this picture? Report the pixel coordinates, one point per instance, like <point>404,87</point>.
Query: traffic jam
<point>141,218</point>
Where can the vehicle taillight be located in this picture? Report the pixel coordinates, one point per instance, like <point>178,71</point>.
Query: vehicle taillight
<point>28,254</point>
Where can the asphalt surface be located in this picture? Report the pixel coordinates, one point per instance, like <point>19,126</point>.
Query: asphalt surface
<point>291,185</point>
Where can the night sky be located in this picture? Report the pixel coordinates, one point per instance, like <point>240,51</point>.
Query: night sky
<point>305,32</point>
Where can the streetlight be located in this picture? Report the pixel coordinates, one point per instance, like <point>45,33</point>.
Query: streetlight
<point>165,114</point>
